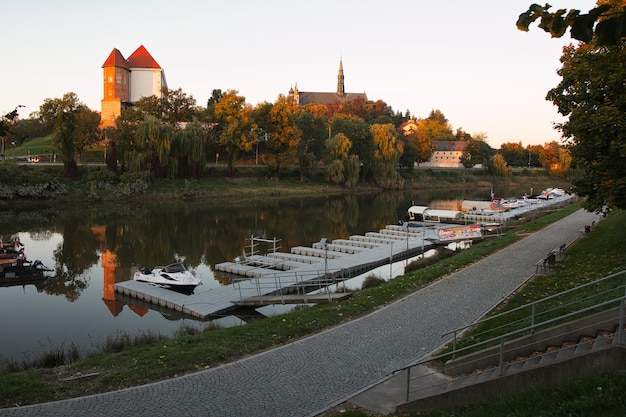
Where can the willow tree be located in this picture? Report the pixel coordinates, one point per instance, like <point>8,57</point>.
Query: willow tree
<point>188,147</point>
<point>235,120</point>
<point>500,167</point>
<point>152,148</point>
<point>337,150</point>
<point>358,130</point>
<point>387,154</point>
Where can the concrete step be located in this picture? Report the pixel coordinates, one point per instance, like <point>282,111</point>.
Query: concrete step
<point>602,339</point>
<point>533,360</point>
<point>549,355</point>
<point>567,350</point>
<point>487,373</point>
<point>585,344</point>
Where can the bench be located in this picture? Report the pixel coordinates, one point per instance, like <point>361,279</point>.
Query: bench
<point>560,251</point>
<point>543,265</point>
<point>550,259</point>
<point>587,229</point>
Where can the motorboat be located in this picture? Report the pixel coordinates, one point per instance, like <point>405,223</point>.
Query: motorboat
<point>174,276</point>
<point>25,272</point>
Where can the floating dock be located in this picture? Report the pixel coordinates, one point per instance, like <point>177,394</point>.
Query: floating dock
<point>285,278</point>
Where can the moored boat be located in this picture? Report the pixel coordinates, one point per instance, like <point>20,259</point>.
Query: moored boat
<point>23,273</point>
<point>174,276</point>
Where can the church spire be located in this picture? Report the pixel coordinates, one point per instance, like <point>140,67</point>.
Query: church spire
<point>341,90</point>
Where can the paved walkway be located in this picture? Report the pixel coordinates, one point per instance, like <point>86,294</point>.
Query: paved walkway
<point>311,375</point>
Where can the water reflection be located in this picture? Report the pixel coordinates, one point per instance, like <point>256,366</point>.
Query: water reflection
<point>92,247</point>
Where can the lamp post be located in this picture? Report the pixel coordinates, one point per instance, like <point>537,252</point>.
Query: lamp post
<point>391,261</point>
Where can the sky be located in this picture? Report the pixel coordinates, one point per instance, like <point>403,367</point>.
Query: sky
<point>464,58</point>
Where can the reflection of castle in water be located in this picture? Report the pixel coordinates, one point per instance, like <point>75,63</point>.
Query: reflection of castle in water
<point>111,271</point>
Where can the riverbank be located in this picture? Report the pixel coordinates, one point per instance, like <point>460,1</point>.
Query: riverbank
<point>96,183</point>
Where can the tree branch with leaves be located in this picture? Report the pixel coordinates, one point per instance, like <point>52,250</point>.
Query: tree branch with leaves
<point>605,24</point>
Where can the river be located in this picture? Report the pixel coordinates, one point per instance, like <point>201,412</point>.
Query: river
<point>93,246</point>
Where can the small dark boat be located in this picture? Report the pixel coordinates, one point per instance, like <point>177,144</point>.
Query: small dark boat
<point>23,273</point>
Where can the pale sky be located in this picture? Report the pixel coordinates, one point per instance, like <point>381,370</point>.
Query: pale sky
<point>464,58</point>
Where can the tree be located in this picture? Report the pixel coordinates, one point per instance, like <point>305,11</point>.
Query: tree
<point>313,124</point>
<point>434,128</point>
<point>604,25</point>
<point>386,155</point>
<point>235,120</point>
<point>27,129</point>
<point>591,96</point>
<point>75,127</point>
<point>534,151</point>
<point>358,131</point>
<point>172,107</point>
<point>499,166</point>
<point>549,156</point>
<point>6,123</point>
<point>514,154</point>
<point>188,148</point>
<point>283,144</point>
<point>151,148</point>
<point>119,140</point>
<point>471,155</point>
<point>337,151</point>
<point>7,119</point>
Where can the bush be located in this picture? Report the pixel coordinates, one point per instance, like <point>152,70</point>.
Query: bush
<point>441,253</point>
<point>372,281</point>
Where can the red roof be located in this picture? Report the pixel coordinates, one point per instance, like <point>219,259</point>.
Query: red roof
<point>141,58</point>
<point>115,59</point>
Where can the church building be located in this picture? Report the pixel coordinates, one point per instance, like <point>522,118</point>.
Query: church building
<point>128,80</point>
<point>305,97</point>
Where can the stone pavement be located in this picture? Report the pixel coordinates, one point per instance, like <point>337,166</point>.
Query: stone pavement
<point>347,362</point>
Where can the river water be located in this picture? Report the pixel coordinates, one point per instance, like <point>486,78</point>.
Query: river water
<point>93,246</point>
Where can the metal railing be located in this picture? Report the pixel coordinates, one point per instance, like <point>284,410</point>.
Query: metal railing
<point>607,288</point>
<point>286,283</point>
<point>549,312</point>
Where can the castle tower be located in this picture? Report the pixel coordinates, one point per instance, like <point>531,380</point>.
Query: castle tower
<point>116,87</point>
<point>147,78</point>
<point>341,89</point>
<point>128,80</point>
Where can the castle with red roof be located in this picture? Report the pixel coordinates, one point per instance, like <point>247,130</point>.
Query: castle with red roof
<point>128,80</point>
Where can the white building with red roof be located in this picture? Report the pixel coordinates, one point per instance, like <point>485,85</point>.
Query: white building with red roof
<point>128,80</point>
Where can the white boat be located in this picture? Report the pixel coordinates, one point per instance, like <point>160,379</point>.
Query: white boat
<point>426,214</point>
<point>481,207</point>
<point>174,276</point>
<point>550,193</point>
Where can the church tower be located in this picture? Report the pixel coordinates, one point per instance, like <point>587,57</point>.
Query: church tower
<point>341,89</point>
